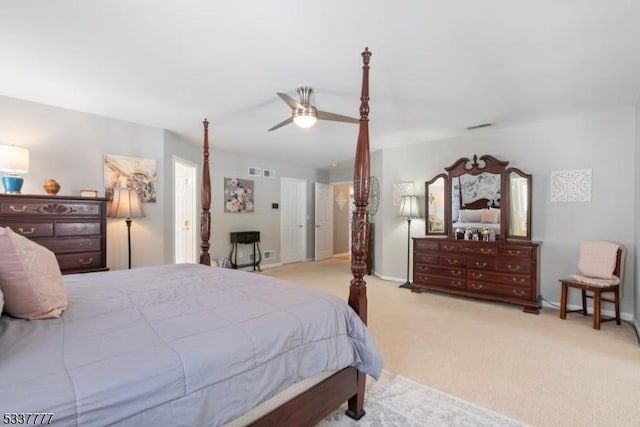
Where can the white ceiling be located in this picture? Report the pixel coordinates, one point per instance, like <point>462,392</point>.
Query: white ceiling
<point>438,66</point>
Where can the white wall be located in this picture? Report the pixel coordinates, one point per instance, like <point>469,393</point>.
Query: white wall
<point>636,194</point>
<point>70,147</point>
<point>601,141</point>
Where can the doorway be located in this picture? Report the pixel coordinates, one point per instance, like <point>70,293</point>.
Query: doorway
<point>184,211</point>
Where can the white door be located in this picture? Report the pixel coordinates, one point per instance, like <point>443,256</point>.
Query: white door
<point>293,219</point>
<point>324,221</point>
<point>184,211</point>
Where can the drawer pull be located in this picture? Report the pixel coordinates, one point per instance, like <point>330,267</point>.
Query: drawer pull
<point>513,267</point>
<point>476,275</point>
<point>457,284</point>
<point>423,268</point>
<point>485,250</point>
<point>518,279</point>
<point>26,232</point>
<point>452,261</point>
<point>474,286</point>
<point>77,229</point>
<point>517,292</point>
<point>448,248</point>
<point>481,264</point>
<point>14,209</point>
<point>514,252</point>
<point>85,244</point>
<point>86,261</point>
<point>456,272</point>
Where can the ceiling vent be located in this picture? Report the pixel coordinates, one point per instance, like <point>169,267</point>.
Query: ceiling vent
<point>483,125</point>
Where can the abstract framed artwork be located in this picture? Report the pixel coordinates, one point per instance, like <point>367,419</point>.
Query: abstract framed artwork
<point>131,172</point>
<point>238,195</point>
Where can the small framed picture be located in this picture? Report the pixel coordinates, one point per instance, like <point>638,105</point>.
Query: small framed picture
<point>88,193</point>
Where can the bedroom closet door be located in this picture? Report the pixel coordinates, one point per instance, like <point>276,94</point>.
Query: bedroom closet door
<point>293,220</point>
<point>324,221</point>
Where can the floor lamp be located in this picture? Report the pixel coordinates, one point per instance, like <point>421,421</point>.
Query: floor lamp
<point>127,204</point>
<point>408,210</point>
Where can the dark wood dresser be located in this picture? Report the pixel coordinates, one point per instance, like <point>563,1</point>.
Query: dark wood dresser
<point>74,228</point>
<point>504,270</point>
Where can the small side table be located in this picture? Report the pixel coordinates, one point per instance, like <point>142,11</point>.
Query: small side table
<point>245,238</point>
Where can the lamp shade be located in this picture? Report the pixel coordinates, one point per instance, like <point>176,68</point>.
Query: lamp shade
<point>14,159</point>
<point>126,203</point>
<point>409,208</point>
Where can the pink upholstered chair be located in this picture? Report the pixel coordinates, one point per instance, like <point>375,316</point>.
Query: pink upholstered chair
<point>600,275</point>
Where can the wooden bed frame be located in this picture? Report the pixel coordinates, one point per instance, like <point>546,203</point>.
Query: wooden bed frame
<point>348,384</point>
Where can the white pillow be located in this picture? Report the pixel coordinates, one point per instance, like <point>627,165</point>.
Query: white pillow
<point>30,278</point>
<point>598,259</point>
<point>470,215</point>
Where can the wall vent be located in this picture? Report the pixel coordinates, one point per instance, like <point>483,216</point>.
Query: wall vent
<point>269,173</point>
<point>255,171</point>
<point>482,125</point>
<point>270,254</point>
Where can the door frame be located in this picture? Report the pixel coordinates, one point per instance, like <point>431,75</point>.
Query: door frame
<point>193,167</point>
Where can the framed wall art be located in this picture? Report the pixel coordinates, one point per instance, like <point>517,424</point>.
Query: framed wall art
<point>402,189</point>
<point>238,195</point>
<point>130,172</point>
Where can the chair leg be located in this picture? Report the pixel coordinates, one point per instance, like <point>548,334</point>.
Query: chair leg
<point>617,304</point>
<point>584,302</point>
<point>596,309</point>
<point>563,301</point>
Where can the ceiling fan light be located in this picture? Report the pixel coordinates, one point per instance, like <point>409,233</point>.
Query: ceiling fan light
<point>305,121</point>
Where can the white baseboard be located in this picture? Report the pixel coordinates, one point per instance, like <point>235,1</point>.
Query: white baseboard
<point>342,254</point>
<point>609,313</point>
<point>271,265</point>
<point>389,278</point>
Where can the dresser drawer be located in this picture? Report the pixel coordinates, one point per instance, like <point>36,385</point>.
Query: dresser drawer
<point>79,261</point>
<point>30,229</point>
<point>71,244</point>
<point>501,278</point>
<point>77,228</point>
<point>488,264</point>
<point>482,249</point>
<point>442,271</point>
<point>496,289</point>
<point>450,247</point>
<point>516,251</point>
<point>452,261</point>
<point>448,282</point>
<point>425,245</point>
<point>513,266</point>
<point>427,258</point>
<point>49,207</point>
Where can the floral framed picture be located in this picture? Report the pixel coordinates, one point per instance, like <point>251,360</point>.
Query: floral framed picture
<point>238,195</point>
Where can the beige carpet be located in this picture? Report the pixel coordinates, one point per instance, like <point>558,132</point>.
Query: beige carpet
<point>539,370</point>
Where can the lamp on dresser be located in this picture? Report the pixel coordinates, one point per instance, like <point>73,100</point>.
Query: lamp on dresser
<point>127,204</point>
<point>14,160</point>
<point>408,210</point>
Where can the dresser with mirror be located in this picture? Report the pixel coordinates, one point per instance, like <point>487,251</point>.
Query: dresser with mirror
<point>478,234</point>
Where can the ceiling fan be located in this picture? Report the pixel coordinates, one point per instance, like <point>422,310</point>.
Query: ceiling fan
<point>304,114</point>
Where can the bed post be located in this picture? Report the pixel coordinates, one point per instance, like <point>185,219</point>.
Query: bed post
<point>360,231</point>
<point>205,200</point>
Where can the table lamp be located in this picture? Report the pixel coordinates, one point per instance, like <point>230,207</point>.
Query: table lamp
<point>13,160</point>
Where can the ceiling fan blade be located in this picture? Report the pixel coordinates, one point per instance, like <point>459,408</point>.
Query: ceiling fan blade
<point>289,100</point>
<point>323,115</point>
<point>282,123</point>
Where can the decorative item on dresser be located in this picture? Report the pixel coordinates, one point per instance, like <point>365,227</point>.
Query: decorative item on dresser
<point>74,228</point>
<point>485,249</point>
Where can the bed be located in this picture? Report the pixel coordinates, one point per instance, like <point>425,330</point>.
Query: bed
<point>191,344</point>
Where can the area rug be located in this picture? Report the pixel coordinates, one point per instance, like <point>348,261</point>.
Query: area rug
<point>394,400</point>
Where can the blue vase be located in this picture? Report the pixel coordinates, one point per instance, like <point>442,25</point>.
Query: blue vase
<point>12,184</point>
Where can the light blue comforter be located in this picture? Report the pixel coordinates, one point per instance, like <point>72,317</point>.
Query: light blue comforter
<point>175,345</point>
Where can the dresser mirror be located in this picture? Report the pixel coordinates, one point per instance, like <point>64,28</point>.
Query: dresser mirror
<point>436,223</point>
<point>482,196</point>
<point>519,204</point>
